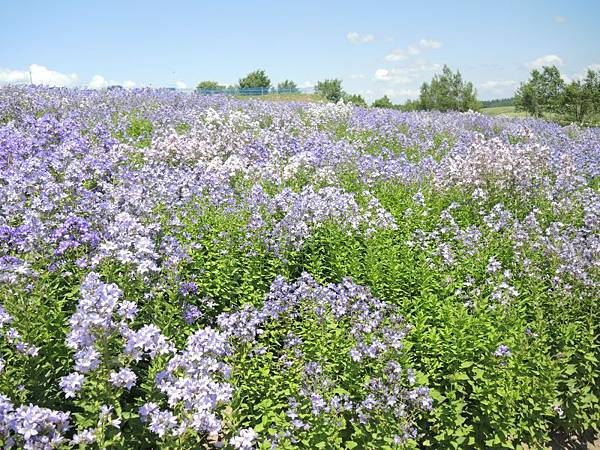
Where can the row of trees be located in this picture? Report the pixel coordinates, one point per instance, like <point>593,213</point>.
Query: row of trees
<point>446,92</point>
<point>546,94</point>
<point>330,90</point>
<point>254,80</point>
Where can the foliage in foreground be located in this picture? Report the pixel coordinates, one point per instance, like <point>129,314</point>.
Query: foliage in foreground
<point>186,271</point>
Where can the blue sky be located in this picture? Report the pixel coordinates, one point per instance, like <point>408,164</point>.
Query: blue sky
<point>376,48</point>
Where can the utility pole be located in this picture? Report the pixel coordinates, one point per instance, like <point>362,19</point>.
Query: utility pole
<point>30,77</point>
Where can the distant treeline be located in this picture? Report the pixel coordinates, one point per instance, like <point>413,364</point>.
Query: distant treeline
<point>545,94</point>
<point>497,102</point>
<point>445,92</point>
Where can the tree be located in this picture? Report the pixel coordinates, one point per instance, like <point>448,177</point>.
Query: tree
<point>410,105</point>
<point>527,99</point>
<point>575,105</point>
<point>581,98</point>
<point>591,87</point>
<point>355,99</point>
<point>542,93</point>
<point>209,86</point>
<point>287,86</point>
<point>448,92</point>
<point>383,102</point>
<point>330,89</point>
<point>256,79</point>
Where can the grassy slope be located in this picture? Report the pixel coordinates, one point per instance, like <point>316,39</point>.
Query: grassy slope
<point>311,98</point>
<point>504,111</point>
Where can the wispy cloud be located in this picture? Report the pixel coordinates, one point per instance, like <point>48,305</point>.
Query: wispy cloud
<point>408,93</point>
<point>548,60</point>
<point>402,54</point>
<point>356,38</point>
<point>405,75</point>
<point>430,43</point>
<point>499,87</point>
<point>306,85</point>
<point>560,19</point>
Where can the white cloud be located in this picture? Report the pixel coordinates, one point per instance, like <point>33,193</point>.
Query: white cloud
<point>357,38</point>
<point>405,75</point>
<point>98,82</point>
<point>402,53</point>
<point>430,43</point>
<point>409,93</point>
<point>581,75</point>
<point>388,39</point>
<point>38,75</point>
<point>548,60</point>
<point>498,84</point>
<point>306,85</point>
<point>43,75</point>
<point>180,85</point>
<point>383,75</point>
<point>13,76</point>
<point>560,19</point>
<point>499,87</point>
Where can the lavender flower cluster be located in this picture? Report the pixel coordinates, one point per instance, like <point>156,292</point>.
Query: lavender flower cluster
<point>155,255</point>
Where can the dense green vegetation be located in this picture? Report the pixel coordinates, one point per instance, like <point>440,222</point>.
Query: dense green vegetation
<point>497,102</point>
<point>546,94</point>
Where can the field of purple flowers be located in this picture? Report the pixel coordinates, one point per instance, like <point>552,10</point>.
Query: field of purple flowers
<point>185,271</point>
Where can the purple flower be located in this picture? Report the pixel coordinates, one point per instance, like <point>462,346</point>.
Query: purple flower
<point>502,352</point>
<point>188,288</point>
<point>86,437</point>
<point>123,378</point>
<point>71,384</point>
<point>162,422</point>
<point>191,313</point>
<point>87,359</point>
<point>244,440</point>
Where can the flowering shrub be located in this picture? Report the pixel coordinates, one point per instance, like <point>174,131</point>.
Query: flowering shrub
<point>187,271</point>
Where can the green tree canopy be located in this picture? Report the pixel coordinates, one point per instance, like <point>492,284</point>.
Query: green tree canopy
<point>448,92</point>
<point>410,105</point>
<point>383,102</point>
<point>287,86</point>
<point>256,79</point>
<point>355,99</point>
<point>581,98</point>
<point>542,93</point>
<point>330,89</point>
<point>209,86</point>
